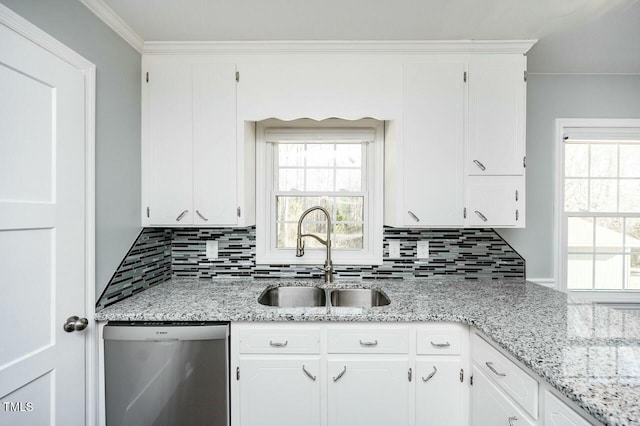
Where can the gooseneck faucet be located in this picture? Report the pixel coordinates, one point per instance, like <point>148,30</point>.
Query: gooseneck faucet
<point>328,264</point>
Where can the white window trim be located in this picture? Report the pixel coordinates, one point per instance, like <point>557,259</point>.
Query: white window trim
<point>265,214</point>
<point>616,129</point>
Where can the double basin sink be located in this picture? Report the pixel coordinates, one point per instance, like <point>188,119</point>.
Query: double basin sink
<point>308,296</point>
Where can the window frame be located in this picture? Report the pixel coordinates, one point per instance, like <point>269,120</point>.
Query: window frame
<point>266,191</point>
<point>596,128</point>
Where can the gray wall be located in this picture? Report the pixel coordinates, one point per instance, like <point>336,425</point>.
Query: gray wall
<point>117,121</point>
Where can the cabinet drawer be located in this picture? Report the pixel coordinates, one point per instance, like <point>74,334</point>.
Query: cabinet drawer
<point>441,339</point>
<point>507,375</point>
<point>356,340</point>
<point>557,413</point>
<point>279,340</point>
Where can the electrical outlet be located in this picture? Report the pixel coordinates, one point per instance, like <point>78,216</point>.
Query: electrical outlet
<point>394,249</point>
<point>212,249</point>
<point>423,249</point>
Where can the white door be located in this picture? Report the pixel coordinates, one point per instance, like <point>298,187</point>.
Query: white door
<point>495,201</point>
<point>490,407</point>
<point>439,392</point>
<point>42,235</point>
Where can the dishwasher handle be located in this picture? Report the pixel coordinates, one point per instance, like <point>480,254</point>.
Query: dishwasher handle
<point>165,333</point>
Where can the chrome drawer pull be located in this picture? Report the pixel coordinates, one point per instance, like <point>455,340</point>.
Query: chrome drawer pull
<point>309,375</point>
<point>481,216</point>
<point>430,376</point>
<point>201,216</point>
<point>480,165</point>
<point>181,215</point>
<point>374,343</point>
<point>413,216</point>
<point>494,371</point>
<point>339,376</point>
<point>512,419</point>
<point>278,344</point>
<point>441,345</point>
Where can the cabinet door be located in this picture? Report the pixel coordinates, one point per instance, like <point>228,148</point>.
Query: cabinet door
<point>276,391</point>
<point>490,407</point>
<point>557,413</point>
<point>368,391</point>
<point>496,116</point>
<point>214,144</point>
<point>169,140</point>
<point>495,201</point>
<point>439,392</point>
<point>432,144</point>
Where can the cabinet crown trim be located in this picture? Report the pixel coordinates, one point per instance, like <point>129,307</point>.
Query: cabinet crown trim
<point>297,47</point>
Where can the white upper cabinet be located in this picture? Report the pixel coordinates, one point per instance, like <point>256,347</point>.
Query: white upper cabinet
<point>496,142</point>
<point>190,163</point>
<point>495,201</point>
<point>426,187</point>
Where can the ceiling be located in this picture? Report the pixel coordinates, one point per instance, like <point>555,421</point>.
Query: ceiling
<point>221,20</point>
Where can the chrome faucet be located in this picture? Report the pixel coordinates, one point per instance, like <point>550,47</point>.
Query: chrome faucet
<point>328,264</point>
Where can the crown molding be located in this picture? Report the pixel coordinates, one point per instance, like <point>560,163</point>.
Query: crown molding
<point>336,47</point>
<point>115,22</point>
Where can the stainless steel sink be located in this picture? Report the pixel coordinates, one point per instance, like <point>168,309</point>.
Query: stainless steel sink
<point>293,297</point>
<point>358,297</point>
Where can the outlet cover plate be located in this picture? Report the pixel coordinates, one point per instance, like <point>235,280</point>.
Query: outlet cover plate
<point>394,249</point>
<point>423,249</point>
<point>212,249</point>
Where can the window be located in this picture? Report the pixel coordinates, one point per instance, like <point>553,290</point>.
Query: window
<point>600,217</point>
<point>336,164</point>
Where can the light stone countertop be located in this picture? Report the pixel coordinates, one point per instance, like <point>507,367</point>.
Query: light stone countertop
<point>588,352</point>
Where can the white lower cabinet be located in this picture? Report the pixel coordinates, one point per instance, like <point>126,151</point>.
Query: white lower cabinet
<point>557,413</point>
<point>370,390</point>
<point>491,407</point>
<point>440,395</point>
<point>281,390</point>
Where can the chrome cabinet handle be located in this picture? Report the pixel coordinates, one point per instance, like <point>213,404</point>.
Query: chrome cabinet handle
<point>201,216</point>
<point>413,216</point>
<point>364,343</point>
<point>181,215</point>
<point>440,345</point>
<point>430,376</point>
<point>512,419</point>
<point>481,216</point>
<point>480,165</point>
<point>494,371</point>
<point>75,323</point>
<point>278,344</point>
<point>309,375</point>
<point>339,376</point>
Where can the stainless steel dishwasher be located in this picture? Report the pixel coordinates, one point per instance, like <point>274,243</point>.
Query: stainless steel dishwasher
<point>166,373</point>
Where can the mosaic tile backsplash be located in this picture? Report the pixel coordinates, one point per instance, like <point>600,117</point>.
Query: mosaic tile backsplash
<point>159,254</point>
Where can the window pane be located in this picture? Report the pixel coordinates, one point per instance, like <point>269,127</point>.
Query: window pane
<point>291,180</point>
<point>630,196</point>
<point>289,208</point>
<point>291,154</point>
<point>632,268</point>
<point>629,160</point>
<point>321,155</point>
<point>348,180</point>
<point>579,271</point>
<point>286,234</point>
<point>576,160</point>
<point>632,235</point>
<point>576,193</point>
<point>609,234</point>
<point>320,180</point>
<point>580,234</point>
<point>325,202</point>
<point>604,195</point>
<point>350,209</point>
<point>608,274</point>
<point>319,229</point>
<point>604,160</point>
<point>348,236</point>
<point>348,155</point>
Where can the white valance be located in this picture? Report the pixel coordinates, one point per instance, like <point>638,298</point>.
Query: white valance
<point>617,134</point>
<point>319,135</point>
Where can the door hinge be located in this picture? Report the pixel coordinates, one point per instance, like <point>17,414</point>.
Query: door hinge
<point>147,76</point>
<point>238,211</point>
<point>464,213</point>
<point>409,374</point>
<point>237,373</point>
<point>525,76</point>
<point>148,212</point>
<point>517,215</point>
<point>524,162</point>
<point>471,380</point>
<point>517,195</point>
<point>238,76</point>
<point>464,76</point>
<point>461,375</point>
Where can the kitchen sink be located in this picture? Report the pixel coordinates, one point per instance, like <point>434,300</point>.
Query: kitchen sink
<point>358,297</point>
<point>293,297</point>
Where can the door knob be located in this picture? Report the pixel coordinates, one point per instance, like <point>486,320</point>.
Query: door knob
<point>75,323</point>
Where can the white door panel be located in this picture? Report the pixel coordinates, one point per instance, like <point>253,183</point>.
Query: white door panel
<point>42,234</point>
